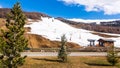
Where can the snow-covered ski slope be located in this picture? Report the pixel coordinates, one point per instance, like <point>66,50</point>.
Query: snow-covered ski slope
<point>53,29</point>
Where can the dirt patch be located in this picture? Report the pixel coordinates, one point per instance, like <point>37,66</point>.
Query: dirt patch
<point>104,35</point>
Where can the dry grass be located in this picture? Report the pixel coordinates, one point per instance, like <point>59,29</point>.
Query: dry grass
<point>74,62</point>
<point>104,35</point>
<point>38,41</point>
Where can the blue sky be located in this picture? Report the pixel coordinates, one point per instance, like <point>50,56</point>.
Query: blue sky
<point>68,8</point>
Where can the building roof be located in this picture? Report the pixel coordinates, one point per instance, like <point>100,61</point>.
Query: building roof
<point>108,40</point>
<point>91,39</point>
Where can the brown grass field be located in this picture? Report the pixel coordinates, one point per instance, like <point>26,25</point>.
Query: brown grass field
<point>73,62</point>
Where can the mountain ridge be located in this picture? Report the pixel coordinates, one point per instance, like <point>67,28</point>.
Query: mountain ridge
<point>103,27</point>
<point>30,15</point>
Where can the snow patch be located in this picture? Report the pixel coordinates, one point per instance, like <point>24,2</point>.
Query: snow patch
<point>53,29</point>
<point>92,21</point>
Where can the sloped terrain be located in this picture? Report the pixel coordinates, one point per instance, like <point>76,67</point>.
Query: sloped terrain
<point>30,15</point>
<point>108,28</point>
<point>49,30</point>
<point>53,29</point>
<point>38,41</point>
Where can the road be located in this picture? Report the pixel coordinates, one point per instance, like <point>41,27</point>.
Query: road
<point>32,54</point>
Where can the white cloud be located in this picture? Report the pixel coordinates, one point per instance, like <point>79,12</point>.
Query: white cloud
<point>109,7</point>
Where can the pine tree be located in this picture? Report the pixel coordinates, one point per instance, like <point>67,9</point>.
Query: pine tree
<point>63,50</point>
<point>12,41</point>
<point>112,56</point>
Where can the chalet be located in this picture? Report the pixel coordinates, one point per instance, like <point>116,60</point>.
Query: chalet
<point>106,42</point>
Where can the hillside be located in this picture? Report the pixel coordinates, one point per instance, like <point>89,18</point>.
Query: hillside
<point>38,41</point>
<point>106,27</point>
<point>30,15</point>
<point>45,31</point>
<point>111,23</point>
<point>53,29</point>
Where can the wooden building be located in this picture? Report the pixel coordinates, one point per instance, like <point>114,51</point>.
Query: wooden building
<point>106,42</point>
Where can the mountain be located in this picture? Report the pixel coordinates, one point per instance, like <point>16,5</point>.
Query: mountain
<point>106,27</point>
<point>97,21</point>
<point>30,15</point>
<point>53,29</point>
<point>111,23</point>
<point>35,41</point>
<point>39,41</point>
<point>45,31</point>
